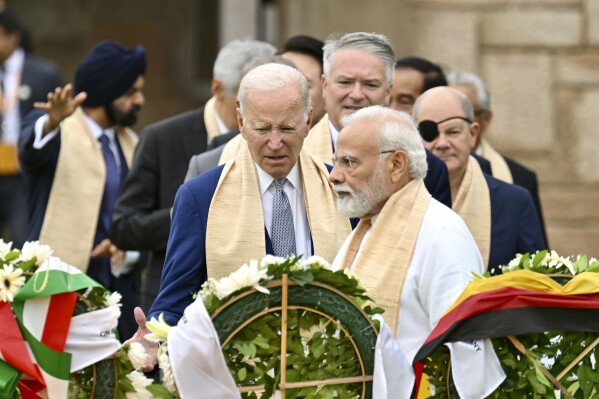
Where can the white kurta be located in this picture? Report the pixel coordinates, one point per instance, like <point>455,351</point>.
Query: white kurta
<point>442,264</point>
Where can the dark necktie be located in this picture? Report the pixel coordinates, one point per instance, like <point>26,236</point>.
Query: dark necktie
<point>113,182</point>
<point>282,231</point>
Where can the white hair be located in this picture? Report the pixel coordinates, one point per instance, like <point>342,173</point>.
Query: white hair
<point>397,131</point>
<point>271,77</point>
<point>373,43</point>
<point>232,58</point>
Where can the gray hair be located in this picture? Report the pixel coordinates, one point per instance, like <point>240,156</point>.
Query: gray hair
<point>234,56</point>
<point>373,43</point>
<point>397,131</point>
<point>475,81</point>
<point>464,102</point>
<point>271,77</point>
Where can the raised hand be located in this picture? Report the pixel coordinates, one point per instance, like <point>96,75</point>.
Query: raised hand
<point>59,106</point>
<point>151,348</point>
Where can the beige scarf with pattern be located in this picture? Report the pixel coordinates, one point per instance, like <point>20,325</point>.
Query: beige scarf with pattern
<point>235,227</point>
<point>318,143</point>
<point>212,129</point>
<point>76,195</point>
<point>384,259</point>
<point>499,166</point>
<point>473,204</point>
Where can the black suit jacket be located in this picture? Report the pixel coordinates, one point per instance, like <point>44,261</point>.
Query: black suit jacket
<point>142,215</point>
<point>526,178</point>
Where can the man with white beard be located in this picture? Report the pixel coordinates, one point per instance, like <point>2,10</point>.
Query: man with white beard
<point>415,254</point>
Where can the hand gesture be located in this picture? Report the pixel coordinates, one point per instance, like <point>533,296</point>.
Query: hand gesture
<point>59,106</point>
<point>151,348</point>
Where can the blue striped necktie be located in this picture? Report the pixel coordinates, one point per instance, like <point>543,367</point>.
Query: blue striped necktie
<point>282,231</point>
<point>113,182</point>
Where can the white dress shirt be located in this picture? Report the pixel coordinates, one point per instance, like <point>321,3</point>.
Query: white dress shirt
<point>295,193</point>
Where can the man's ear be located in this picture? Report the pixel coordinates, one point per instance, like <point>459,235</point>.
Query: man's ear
<point>474,132</point>
<point>399,165</point>
<point>216,87</point>
<point>240,121</point>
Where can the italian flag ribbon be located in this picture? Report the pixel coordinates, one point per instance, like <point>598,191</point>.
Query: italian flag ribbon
<point>33,340</point>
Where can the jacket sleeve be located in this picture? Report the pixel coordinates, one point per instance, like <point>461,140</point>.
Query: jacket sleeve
<point>185,265</point>
<point>138,221</point>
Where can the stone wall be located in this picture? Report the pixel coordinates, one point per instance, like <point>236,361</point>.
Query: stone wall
<point>539,57</point>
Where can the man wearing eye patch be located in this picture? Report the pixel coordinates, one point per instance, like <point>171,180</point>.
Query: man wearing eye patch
<point>358,72</point>
<point>501,216</point>
<point>415,254</point>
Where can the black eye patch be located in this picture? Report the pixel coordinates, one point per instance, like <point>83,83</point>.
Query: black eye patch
<point>429,130</point>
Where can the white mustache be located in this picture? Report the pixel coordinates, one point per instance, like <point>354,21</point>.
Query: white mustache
<point>342,189</point>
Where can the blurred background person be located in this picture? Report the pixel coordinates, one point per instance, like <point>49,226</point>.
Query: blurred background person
<point>24,79</point>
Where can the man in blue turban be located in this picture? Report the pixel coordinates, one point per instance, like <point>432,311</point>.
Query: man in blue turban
<point>75,152</point>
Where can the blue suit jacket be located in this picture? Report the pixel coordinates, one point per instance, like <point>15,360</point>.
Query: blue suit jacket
<point>515,226</point>
<point>185,269</point>
<point>437,179</point>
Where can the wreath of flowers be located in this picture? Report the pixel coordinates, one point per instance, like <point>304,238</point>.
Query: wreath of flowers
<point>531,360</point>
<point>123,377</point>
<point>317,349</point>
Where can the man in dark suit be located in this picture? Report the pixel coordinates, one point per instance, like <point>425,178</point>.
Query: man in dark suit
<point>503,168</point>
<point>142,215</point>
<point>500,216</point>
<point>24,79</point>
<point>75,154</point>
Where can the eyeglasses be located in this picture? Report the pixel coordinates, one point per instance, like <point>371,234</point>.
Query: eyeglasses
<point>429,130</point>
<point>348,162</point>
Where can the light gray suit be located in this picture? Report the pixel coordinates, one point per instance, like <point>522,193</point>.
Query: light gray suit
<point>207,160</point>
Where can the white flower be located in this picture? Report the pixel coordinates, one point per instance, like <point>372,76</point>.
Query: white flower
<point>139,382</point>
<point>208,288</point>
<point>5,248</point>
<point>168,380</point>
<point>113,299</point>
<point>513,265</point>
<point>11,281</point>
<point>318,260</point>
<point>37,250</point>
<point>246,276</point>
<point>137,355</point>
<point>271,260</point>
<point>159,329</point>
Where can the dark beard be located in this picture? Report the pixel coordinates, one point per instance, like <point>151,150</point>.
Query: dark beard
<point>127,120</point>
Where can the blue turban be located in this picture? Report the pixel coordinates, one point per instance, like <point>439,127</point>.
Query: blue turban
<point>108,71</point>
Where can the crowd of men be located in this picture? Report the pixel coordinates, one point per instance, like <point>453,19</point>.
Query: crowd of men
<point>338,149</point>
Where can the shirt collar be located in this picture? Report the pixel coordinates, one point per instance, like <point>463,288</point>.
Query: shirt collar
<point>222,128</point>
<point>265,180</point>
<point>334,135</point>
<point>97,129</point>
<point>14,63</point>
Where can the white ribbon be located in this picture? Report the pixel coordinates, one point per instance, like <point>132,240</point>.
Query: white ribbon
<point>475,368</point>
<point>393,375</point>
<point>92,337</point>
<point>196,358</point>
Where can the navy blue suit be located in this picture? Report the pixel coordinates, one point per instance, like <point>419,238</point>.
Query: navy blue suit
<point>187,236</point>
<point>515,226</point>
<point>39,167</point>
<point>437,179</point>
<point>182,277</point>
